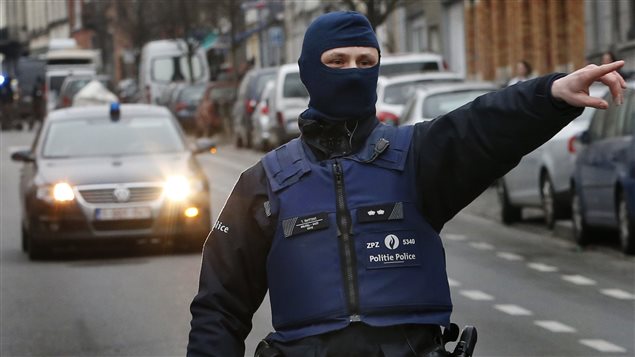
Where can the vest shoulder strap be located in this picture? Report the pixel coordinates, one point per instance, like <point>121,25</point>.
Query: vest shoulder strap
<point>392,157</point>
<point>285,165</point>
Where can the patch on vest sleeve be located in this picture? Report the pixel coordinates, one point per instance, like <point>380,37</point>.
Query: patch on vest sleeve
<point>385,212</point>
<point>297,225</point>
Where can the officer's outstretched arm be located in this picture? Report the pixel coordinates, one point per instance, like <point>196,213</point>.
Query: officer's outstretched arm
<point>233,279</point>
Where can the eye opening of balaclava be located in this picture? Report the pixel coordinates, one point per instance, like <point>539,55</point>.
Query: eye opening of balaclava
<point>338,94</point>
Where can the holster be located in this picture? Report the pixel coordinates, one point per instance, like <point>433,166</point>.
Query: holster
<point>264,349</point>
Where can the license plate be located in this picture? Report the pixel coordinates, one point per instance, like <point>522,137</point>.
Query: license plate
<point>123,213</point>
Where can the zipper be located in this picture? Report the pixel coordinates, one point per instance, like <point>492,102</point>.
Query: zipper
<point>347,246</point>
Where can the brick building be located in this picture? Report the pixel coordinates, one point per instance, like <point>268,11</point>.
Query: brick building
<point>550,35</point>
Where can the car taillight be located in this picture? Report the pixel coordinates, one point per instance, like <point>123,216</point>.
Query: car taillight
<point>265,109</point>
<point>388,118</point>
<point>250,105</point>
<point>445,66</point>
<point>571,144</point>
<point>280,119</point>
<point>180,106</point>
<point>66,102</point>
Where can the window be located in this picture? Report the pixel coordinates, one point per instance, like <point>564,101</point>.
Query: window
<point>293,87</point>
<point>170,69</point>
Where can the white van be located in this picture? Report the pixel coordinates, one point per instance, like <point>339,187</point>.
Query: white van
<point>289,98</point>
<point>164,62</point>
<point>404,63</point>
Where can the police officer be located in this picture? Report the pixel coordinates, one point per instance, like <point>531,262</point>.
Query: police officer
<point>342,225</point>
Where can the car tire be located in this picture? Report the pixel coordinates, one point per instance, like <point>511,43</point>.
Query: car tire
<point>509,213</point>
<point>37,251</point>
<point>626,226</point>
<point>581,231</point>
<point>551,208</point>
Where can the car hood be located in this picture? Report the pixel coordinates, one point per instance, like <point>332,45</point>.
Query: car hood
<point>98,170</point>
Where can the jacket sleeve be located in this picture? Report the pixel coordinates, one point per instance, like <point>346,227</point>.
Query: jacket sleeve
<point>460,154</point>
<point>233,277</point>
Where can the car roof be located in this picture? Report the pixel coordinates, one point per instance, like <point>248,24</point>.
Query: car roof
<point>412,77</point>
<point>409,57</point>
<point>92,111</point>
<point>452,87</point>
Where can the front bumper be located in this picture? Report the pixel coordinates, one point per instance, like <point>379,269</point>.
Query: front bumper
<point>80,219</point>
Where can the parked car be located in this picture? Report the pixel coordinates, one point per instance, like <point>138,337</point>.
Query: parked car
<point>604,174</point>
<point>432,101</point>
<point>262,124</point>
<point>73,84</point>
<point>168,93</point>
<point>398,64</point>
<point>127,174</point>
<point>184,102</point>
<point>166,61</point>
<point>128,90</point>
<point>542,178</point>
<point>54,78</point>
<point>394,92</point>
<point>289,99</point>
<point>214,110</point>
<point>248,96</point>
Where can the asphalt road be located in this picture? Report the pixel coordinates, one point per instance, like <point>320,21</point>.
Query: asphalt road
<point>529,291</point>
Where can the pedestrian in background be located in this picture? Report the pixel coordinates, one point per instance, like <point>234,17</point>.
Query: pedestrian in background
<point>342,225</point>
<point>523,72</point>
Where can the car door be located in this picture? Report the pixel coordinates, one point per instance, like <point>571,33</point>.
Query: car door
<point>601,171</point>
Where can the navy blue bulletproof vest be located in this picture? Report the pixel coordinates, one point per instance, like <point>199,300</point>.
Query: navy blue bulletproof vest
<point>350,244</point>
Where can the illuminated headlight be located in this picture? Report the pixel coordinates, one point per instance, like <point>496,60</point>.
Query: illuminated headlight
<point>60,192</point>
<point>177,188</point>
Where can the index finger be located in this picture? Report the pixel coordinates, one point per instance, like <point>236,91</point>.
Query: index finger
<point>596,72</point>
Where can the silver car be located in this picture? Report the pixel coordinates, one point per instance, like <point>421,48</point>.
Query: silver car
<point>288,100</point>
<point>435,100</point>
<point>542,179</point>
<point>261,124</point>
<point>394,92</point>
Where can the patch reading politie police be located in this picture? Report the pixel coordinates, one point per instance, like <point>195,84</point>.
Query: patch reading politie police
<point>296,225</point>
<point>392,250</point>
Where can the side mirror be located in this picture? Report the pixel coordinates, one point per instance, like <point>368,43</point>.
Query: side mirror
<point>584,137</point>
<point>204,145</point>
<point>22,154</point>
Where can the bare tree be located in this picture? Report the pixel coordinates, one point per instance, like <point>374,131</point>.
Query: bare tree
<point>376,10</point>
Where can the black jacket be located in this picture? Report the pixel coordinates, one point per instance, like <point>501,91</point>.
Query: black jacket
<point>459,155</point>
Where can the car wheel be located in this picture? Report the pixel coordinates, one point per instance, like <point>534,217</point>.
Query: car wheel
<point>509,213</point>
<point>37,250</point>
<point>549,205</point>
<point>626,226</point>
<point>581,231</point>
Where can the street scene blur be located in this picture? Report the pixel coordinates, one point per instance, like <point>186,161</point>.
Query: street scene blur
<point>126,123</point>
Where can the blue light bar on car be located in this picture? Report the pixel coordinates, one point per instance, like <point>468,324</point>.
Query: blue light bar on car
<point>114,111</point>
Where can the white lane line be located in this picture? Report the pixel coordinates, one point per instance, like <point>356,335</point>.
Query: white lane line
<point>555,326</point>
<point>456,237</point>
<point>603,346</point>
<point>476,295</point>
<point>542,267</point>
<point>513,310</point>
<point>509,256</point>
<point>453,282</point>
<point>482,246</point>
<point>579,280</point>
<point>618,294</point>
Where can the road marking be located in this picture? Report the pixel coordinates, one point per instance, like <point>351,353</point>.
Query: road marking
<point>453,283</point>
<point>555,326</point>
<point>542,267</point>
<point>513,310</point>
<point>578,280</point>
<point>476,295</point>
<point>482,245</point>
<point>603,346</point>
<point>455,237</point>
<point>618,294</point>
<point>509,256</point>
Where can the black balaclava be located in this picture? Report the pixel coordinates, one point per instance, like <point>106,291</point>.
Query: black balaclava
<point>338,94</point>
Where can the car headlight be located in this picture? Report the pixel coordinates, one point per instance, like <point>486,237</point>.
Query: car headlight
<point>60,192</point>
<point>177,188</point>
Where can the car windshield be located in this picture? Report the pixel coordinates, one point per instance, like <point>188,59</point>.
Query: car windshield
<point>443,103</point>
<point>399,93</point>
<point>393,69</point>
<point>169,69</point>
<point>293,87</point>
<point>100,137</point>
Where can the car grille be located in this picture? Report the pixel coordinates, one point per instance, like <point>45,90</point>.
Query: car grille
<point>122,225</point>
<point>106,195</point>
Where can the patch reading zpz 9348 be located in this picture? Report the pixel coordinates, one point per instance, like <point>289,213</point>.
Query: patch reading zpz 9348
<point>297,225</point>
<point>392,251</point>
